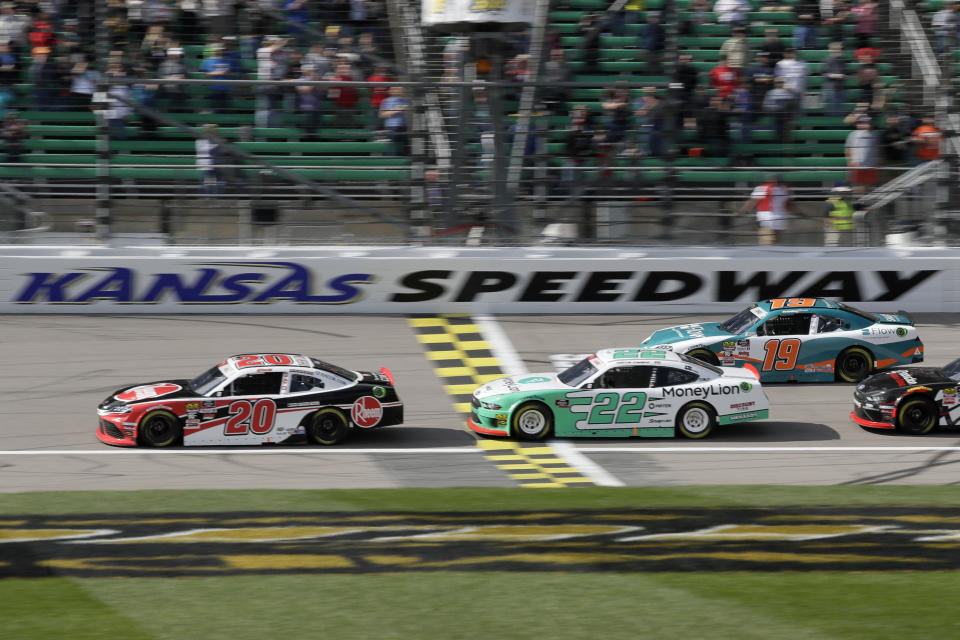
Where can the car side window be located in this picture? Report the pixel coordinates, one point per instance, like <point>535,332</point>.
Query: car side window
<point>670,376</point>
<point>786,324</point>
<point>257,384</point>
<point>826,324</point>
<point>300,383</point>
<point>625,378</point>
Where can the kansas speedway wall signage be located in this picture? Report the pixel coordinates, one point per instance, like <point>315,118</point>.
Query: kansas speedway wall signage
<point>423,280</point>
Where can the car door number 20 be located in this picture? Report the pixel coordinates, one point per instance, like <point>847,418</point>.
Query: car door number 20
<point>616,408</point>
<point>246,417</point>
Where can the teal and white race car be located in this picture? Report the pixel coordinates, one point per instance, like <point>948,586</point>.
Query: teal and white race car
<point>787,339</point>
<point>619,393</point>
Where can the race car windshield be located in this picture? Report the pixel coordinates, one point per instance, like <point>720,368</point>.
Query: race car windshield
<point>952,370</point>
<point>576,374</point>
<point>864,314</point>
<point>346,374</point>
<point>740,322</point>
<point>206,381</point>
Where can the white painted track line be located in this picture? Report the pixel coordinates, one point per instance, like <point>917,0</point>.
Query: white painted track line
<point>600,476</point>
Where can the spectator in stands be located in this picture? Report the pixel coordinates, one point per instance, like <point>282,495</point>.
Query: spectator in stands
<point>273,63</point>
<point>778,104</point>
<point>118,111</point>
<point>189,20</point>
<point>737,50</point>
<point>218,67</point>
<point>83,82</point>
<point>378,93</point>
<point>862,154</point>
<point>651,115</point>
<point>866,17</point>
<point>516,71</point>
<point>724,78</point>
<point>297,13</point>
<point>145,94</point>
<point>760,78</point>
<point>772,203</point>
<point>14,132</point>
<point>555,71</point>
<point>773,46</point>
<point>713,127</point>
<point>310,101</point>
<point>171,96</point>
<point>926,139</point>
<point>207,149</point>
<point>793,72</point>
<point>742,107</point>
<point>41,32</point>
<point>393,112</point>
<point>153,47</point>
<point>653,40</point>
<point>14,25</point>
<point>895,141</point>
<point>868,74</point>
<point>834,77</point>
<point>630,16</point>
<point>589,31</point>
<point>684,82</point>
<point>45,79</point>
<point>344,98</point>
<point>369,56</point>
<point>219,16</point>
<point>71,43</point>
<point>616,117</point>
<point>578,149</point>
<point>807,16</point>
<point>836,16</point>
<point>732,12</point>
<point>945,23</point>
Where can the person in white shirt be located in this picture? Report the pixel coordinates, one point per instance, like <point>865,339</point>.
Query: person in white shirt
<point>731,11</point>
<point>944,25</point>
<point>793,72</point>
<point>772,203</point>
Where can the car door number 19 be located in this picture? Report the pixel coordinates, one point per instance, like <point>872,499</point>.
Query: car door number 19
<point>781,354</point>
<point>616,408</point>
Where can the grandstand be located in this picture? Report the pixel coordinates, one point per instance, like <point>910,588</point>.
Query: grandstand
<point>97,147</point>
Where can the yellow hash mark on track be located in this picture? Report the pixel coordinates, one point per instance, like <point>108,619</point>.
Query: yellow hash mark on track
<point>463,360</point>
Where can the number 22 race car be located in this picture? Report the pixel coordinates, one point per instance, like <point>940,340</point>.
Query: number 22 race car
<point>812,339</point>
<point>252,399</point>
<point>620,393</point>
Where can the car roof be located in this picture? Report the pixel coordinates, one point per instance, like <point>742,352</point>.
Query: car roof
<point>650,356</point>
<point>268,362</point>
<point>773,304</point>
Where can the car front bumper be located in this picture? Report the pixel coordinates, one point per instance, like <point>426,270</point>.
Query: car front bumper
<point>111,430</point>
<point>488,422</point>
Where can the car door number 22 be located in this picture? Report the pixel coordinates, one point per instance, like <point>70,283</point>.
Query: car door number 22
<point>609,407</point>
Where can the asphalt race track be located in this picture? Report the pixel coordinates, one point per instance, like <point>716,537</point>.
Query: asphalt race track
<point>58,368</point>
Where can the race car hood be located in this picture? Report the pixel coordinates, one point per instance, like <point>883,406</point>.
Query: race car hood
<point>518,384</point>
<point>903,379</point>
<point>684,332</point>
<point>149,391</point>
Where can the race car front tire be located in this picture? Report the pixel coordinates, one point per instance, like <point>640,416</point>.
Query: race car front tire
<point>917,416</point>
<point>696,420</point>
<point>532,421</point>
<point>854,364</point>
<point>159,429</point>
<point>328,427</point>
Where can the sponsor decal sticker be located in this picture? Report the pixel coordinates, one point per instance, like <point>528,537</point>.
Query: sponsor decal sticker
<point>534,380</point>
<point>366,412</point>
<point>379,392</point>
<point>148,391</point>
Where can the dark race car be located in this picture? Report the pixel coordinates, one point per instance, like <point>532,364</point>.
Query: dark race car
<point>910,399</point>
<point>252,399</point>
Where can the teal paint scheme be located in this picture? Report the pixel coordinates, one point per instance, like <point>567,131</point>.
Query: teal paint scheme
<point>619,393</point>
<point>788,339</point>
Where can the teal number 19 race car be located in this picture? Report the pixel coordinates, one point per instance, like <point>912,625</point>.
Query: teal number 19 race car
<point>620,393</point>
<point>812,339</point>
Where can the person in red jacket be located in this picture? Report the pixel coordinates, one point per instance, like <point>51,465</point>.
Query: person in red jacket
<point>377,94</point>
<point>344,98</point>
<point>724,78</point>
<point>41,32</point>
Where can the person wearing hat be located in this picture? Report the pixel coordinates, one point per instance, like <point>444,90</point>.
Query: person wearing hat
<point>838,219</point>
<point>771,200</point>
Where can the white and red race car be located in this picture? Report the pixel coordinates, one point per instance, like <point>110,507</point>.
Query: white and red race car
<point>252,399</point>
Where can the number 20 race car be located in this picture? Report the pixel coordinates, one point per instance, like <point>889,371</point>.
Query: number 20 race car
<point>619,393</point>
<point>787,339</point>
<point>910,399</point>
<point>252,399</point>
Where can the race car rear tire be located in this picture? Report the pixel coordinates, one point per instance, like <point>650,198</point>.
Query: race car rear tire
<point>705,355</point>
<point>531,421</point>
<point>159,429</point>
<point>854,364</point>
<point>917,416</point>
<point>696,420</point>
<point>328,427</point>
